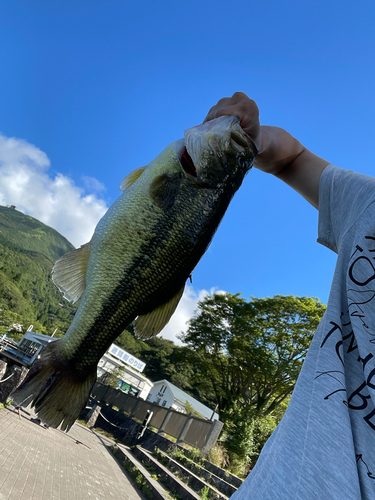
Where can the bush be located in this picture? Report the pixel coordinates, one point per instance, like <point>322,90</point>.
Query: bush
<point>219,456</point>
<point>245,440</point>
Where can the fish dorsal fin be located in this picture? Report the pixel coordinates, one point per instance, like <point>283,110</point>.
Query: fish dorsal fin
<point>130,179</point>
<point>69,272</point>
<point>151,324</point>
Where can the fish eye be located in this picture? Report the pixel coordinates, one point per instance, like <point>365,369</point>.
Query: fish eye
<point>187,164</point>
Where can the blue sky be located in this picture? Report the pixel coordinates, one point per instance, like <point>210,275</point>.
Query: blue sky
<point>93,89</point>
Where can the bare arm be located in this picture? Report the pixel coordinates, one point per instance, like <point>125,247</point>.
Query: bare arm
<point>280,153</point>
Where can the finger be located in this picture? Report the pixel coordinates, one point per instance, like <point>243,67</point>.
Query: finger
<point>239,96</point>
<point>215,109</point>
<point>242,106</point>
<point>246,110</point>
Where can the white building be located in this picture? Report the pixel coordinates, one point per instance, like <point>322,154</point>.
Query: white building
<point>30,346</point>
<point>131,379</point>
<point>166,394</point>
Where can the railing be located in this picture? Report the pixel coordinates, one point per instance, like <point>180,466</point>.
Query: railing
<point>195,431</point>
<point>13,349</point>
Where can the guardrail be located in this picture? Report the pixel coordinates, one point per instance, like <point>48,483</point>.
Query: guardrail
<point>12,348</point>
<point>197,432</point>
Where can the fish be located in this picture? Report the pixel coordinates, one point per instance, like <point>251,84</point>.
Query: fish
<point>138,260</point>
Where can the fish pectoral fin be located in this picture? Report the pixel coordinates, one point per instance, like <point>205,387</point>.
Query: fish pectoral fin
<point>164,189</point>
<point>151,324</point>
<point>130,179</point>
<point>69,272</point>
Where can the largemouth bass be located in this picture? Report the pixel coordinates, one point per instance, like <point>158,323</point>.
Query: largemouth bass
<point>135,266</point>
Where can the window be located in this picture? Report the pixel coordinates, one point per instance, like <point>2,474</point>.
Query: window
<point>158,401</point>
<point>28,347</point>
<point>113,350</point>
<point>164,402</point>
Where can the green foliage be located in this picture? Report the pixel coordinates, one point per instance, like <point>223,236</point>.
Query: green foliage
<point>244,440</point>
<point>7,403</point>
<point>9,318</point>
<point>204,493</point>
<point>250,355</point>
<point>134,472</point>
<point>189,409</point>
<point>165,360</point>
<point>22,232</point>
<point>177,453</point>
<point>28,250</point>
<point>112,379</point>
<point>251,352</point>
<point>218,456</point>
<point>127,341</point>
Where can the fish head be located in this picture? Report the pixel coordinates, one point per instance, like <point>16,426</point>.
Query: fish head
<point>217,152</point>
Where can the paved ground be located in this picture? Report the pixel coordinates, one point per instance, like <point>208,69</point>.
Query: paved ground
<point>47,464</point>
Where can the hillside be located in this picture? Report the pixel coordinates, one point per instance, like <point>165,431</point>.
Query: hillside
<point>28,250</point>
<point>23,232</point>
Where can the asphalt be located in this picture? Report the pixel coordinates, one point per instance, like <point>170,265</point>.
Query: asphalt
<point>47,464</point>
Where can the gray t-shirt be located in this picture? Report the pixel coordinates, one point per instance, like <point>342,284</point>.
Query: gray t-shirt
<point>324,447</point>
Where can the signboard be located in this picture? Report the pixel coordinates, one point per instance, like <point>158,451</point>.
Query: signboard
<point>127,358</point>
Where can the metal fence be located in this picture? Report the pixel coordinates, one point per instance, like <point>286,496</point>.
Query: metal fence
<point>190,429</point>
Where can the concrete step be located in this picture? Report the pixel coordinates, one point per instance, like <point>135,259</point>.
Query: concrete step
<point>152,489</point>
<point>195,483</point>
<point>174,484</point>
<point>198,469</point>
<point>217,471</point>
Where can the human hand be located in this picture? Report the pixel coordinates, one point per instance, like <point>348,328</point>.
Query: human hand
<point>280,153</point>
<point>276,147</point>
<point>247,111</point>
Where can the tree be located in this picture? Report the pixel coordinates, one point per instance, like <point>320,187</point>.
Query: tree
<point>127,341</point>
<point>7,321</point>
<point>114,377</point>
<point>250,353</point>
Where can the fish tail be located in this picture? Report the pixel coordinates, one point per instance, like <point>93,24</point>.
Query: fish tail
<point>56,390</point>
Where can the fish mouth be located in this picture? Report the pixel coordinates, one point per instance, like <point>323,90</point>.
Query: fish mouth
<point>187,164</point>
<point>190,171</point>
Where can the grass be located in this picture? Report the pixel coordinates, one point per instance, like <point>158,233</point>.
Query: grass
<point>7,403</point>
<point>204,493</point>
<point>82,422</point>
<point>140,482</point>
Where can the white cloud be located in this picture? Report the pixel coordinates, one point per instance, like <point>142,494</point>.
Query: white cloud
<point>56,201</point>
<point>92,184</point>
<point>184,312</point>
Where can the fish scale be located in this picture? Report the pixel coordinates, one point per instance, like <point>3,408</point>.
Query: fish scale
<point>142,252</point>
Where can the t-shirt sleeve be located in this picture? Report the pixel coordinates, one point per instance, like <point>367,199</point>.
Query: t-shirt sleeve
<point>343,197</point>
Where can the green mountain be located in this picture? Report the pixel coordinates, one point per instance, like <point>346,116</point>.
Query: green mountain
<point>26,233</point>
<point>28,250</point>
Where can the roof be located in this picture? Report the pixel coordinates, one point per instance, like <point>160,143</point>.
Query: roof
<point>182,396</point>
<point>40,337</point>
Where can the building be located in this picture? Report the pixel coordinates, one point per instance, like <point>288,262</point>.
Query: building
<point>130,379</point>
<point>166,394</point>
<point>29,347</point>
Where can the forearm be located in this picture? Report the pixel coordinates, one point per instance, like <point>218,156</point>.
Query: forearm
<point>277,149</point>
<point>285,157</point>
